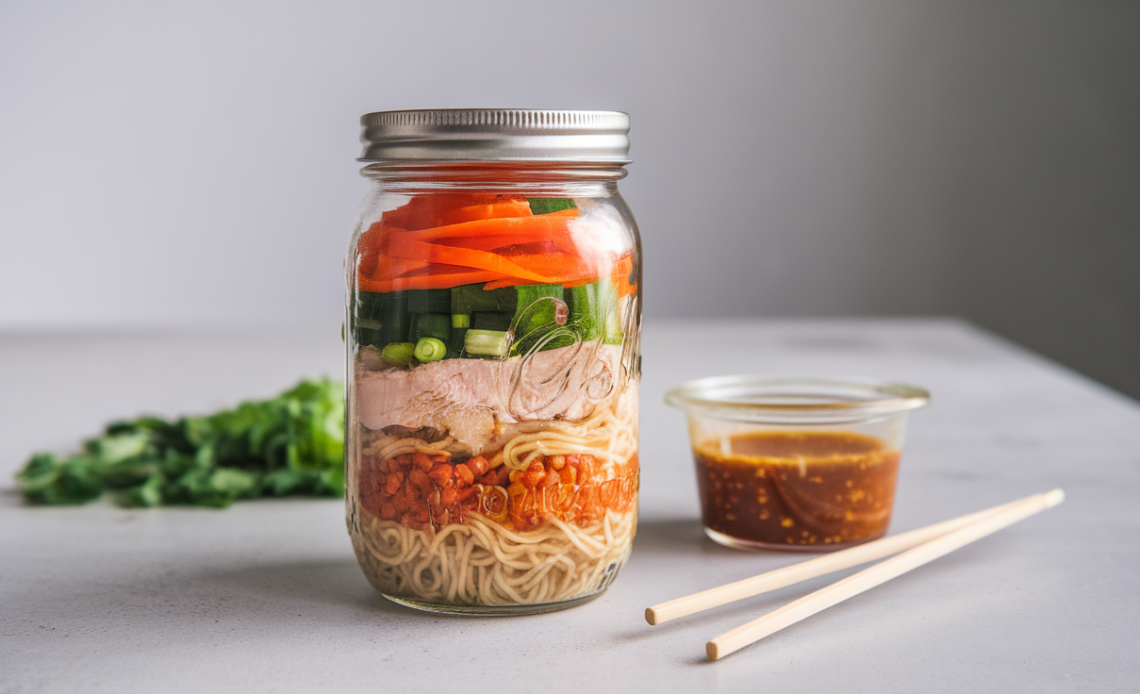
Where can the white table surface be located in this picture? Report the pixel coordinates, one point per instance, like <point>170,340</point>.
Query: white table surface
<point>266,596</point>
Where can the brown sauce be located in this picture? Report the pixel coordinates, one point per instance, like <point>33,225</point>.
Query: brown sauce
<point>797,489</point>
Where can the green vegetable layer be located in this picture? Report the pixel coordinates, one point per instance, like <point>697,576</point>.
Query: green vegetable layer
<point>533,316</point>
<point>292,444</point>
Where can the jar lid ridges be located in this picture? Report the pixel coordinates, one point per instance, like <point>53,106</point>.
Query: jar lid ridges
<point>495,135</point>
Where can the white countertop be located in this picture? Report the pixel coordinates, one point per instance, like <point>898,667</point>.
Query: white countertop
<point>266,596</point>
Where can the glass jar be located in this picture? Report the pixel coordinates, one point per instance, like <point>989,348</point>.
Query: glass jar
<point>493,330</point>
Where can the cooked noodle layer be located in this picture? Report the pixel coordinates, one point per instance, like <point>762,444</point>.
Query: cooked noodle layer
<point>610,434</point>
<point>481,562</point>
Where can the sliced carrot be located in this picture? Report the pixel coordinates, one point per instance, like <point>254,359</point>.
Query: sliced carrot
<point>430,211</point>
<point>426,211</point>
<point>368,249</point>
<point>492,242</point>
<point>517,207</point>
<point>540,224</point>
<point>620,276</point>
<point>382,237</point>
<point>468,257</point>
<point>579,282</point>
<point>571,275</point>
<point>439,241</point>
<point>508,282</point>
<point>558,266</point>
<point>434,278</point>
<point>389,268</point>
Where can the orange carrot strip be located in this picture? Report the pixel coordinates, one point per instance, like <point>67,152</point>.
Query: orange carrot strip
<point>429,211</point>
<point>579,282</point>
<point>499,210</point>
<point>426,211</point>
<point>437,280</point>
<point>490,242</point>
<point>571,275</point>
<point>539,224</point>
<point>558,266</point>
<point>564,281</point>
<point>389,268</point>
<point>619,276</point>
<point>368,249</point>
<point>405,247</point>
<point>507,282</point>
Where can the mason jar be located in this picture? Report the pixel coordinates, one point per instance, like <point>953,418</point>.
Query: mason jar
<point>493,328</point>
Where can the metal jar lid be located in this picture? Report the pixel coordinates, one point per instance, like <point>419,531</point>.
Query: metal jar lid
<point>506,134</point>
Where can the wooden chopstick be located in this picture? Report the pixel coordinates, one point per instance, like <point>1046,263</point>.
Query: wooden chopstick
<point>789,575</point>
<point>732,641</point>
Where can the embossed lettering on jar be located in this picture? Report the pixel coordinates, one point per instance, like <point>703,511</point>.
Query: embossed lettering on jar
<point>494,315</point>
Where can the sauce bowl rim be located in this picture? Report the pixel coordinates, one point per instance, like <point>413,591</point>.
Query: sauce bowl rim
<point>796,399</point>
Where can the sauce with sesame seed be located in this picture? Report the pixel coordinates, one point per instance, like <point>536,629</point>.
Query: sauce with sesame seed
<point>819,490</point>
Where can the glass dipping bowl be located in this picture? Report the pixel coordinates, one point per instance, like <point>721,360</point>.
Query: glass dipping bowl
<point>796,463</point>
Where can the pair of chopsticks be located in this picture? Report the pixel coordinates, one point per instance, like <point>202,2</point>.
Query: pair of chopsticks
<point>917,547</point>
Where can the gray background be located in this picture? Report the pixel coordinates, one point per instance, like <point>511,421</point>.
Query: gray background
<point>191,164</point>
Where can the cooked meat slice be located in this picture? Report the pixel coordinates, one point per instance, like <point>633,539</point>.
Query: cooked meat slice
<point>468,397</point>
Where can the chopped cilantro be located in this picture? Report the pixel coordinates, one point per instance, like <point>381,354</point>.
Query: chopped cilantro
<point>548,205</point>
<point>287,445</point>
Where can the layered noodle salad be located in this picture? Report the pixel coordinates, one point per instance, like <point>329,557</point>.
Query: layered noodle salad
<point>492,436</point>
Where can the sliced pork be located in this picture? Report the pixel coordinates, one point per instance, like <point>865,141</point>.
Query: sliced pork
<point>470,397</point>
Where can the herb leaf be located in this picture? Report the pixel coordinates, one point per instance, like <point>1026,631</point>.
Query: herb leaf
<point>548,205</point>
<point>290,444</point>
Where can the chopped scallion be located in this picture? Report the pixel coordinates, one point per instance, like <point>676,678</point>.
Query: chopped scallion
<point>487,343</point>
<point>398,353</point>
<point>430,349</point>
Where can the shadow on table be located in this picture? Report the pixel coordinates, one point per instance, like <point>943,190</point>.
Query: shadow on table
<point>669,535</point>
<point>314,582</point>
<point>157,599</point>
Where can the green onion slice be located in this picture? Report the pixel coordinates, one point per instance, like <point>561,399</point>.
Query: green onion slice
<point>430,349</point>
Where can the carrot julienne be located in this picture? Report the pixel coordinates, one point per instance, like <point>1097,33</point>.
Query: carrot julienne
<point>439,242</point>
<point>438,280</point>
<point>468,257</point>
<point>541,224</point>
<point>429,211</point>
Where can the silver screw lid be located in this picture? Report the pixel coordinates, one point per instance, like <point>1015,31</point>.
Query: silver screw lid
<point>490,134</point>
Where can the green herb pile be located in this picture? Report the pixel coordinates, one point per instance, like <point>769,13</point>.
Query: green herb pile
<point>292,444</point>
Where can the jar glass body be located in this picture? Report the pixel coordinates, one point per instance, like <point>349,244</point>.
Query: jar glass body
<point>493,331</point>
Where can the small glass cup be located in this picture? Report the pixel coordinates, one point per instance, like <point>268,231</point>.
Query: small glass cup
<point>796,463</point>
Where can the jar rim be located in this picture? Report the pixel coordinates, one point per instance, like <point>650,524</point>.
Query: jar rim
<point>796,400</point>
<point>484,135</point>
